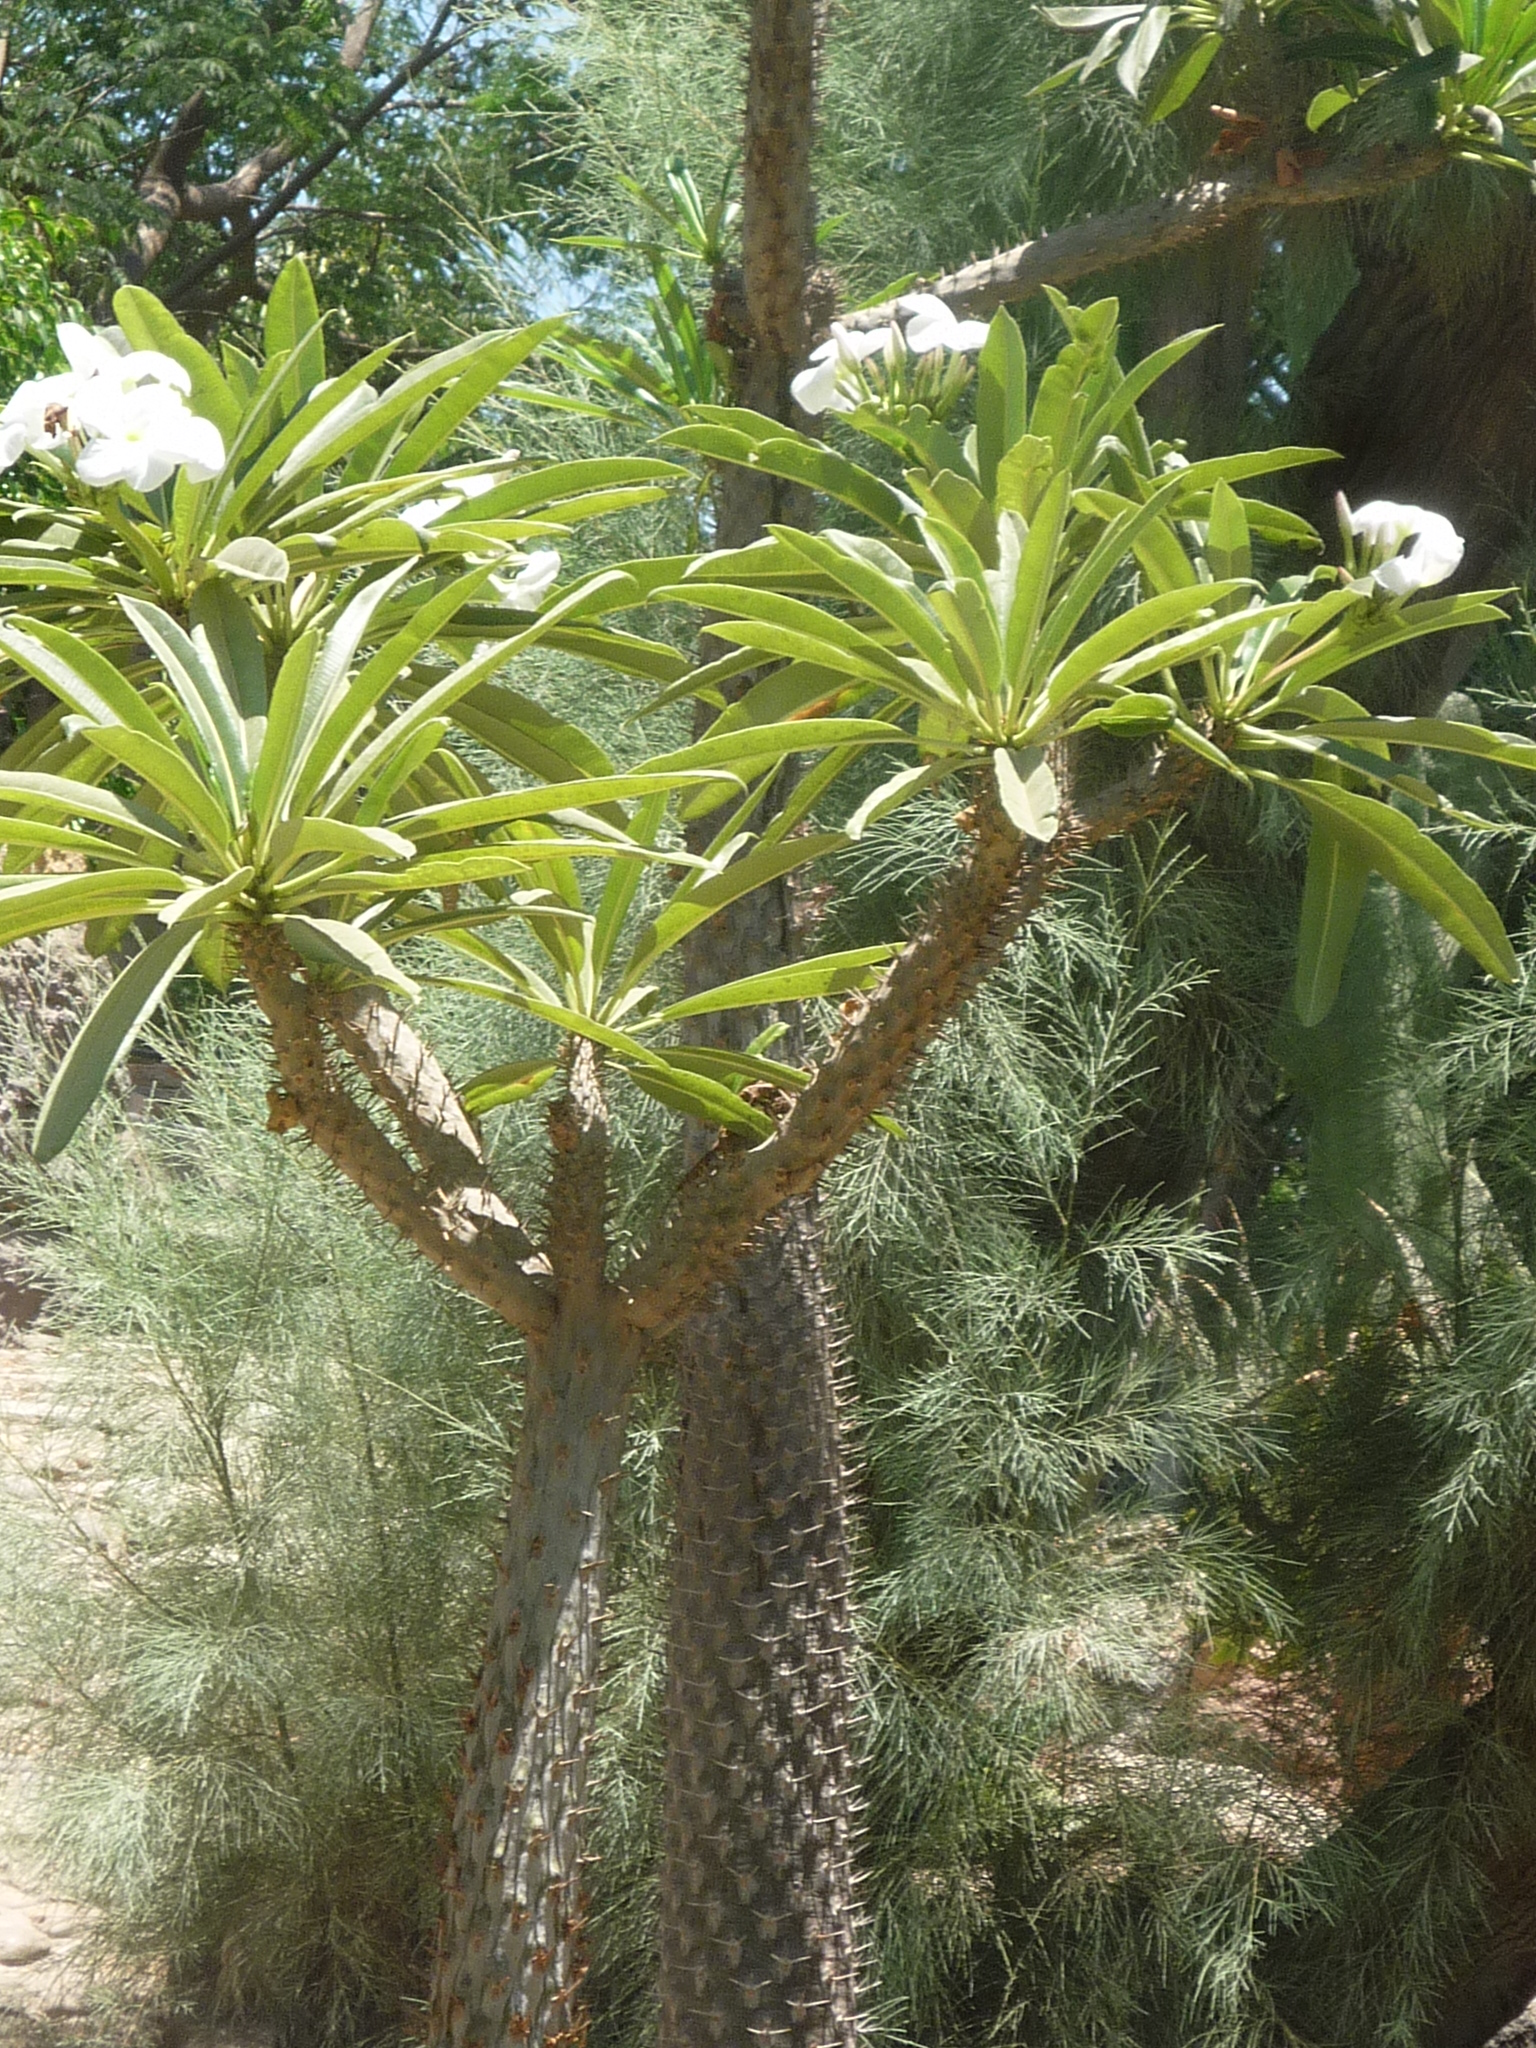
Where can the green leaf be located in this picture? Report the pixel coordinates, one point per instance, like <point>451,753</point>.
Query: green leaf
<point>292,323</point>
<point>1002,396</point>
<point>105,1037</point>
<point>1445,735</point>
<point>1227,549</point>
<point>1322,106</point>
<point>829,975</point>
<point>470,388</point>
<point>755,746</point>
<point>44,903</point>
<point>327,942</point>
<point>698,1096</point>
<point>64,798</point>
<point>895,790</point>
<point>1027,790</point>
<point>253,559</point>
<point>1184,77</point>
<point>513,1082</point>
<point>1337,877</point>
<point>85,680</point>
<point>803,462</point>
<point>172,774</point>
<point>697,900</point>
<point>1397,850</point>
<point>221,615</point>
<point>202,694</point>
<point>473,814</point>
<point>1122,636</point>
<point>525,734</point>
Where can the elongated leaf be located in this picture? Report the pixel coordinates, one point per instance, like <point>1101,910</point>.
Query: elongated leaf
<point>723,1063</point>
<point>106,1037</point>
<point>292,324</point>
<point>697,1095</point>
<point>202,694</point>
<point>17,833</point>
<point>1122,636</point>
<point>62,797</point>
<point>221,615</point>
<point>1445,735</point>
<point>330,943</point>
<point>45,903</point>
<point>799,461</point>
<point>498,1086</point>
<point>1397,850</point>
<point>86,681</point>
<point>1331,902</point>
<point>1002,396</point>
<point>1184,77</point>
<point>474,814</point>
<point>1227,548</point>
<point>697,901</point>
<point>172,774</point>
<point>830,975</point>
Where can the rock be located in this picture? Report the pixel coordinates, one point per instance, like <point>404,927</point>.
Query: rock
<point>21,1940</point>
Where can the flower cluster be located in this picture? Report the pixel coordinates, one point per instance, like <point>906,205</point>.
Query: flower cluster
<point>836,379</point>
<point>121,412</point>
<point>1403,547</point>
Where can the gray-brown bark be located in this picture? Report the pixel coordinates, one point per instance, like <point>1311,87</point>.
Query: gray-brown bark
<point>1173,220</point>
<point>758,1921</point>
<point>510,1955</point>
<point>757,1924</point>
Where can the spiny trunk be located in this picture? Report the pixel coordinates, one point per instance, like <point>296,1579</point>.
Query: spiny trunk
<point>509,1963</point>
<point>758,1922</point>
<point>757,1927</point>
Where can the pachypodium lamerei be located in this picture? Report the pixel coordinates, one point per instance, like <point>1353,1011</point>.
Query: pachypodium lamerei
<point>266,672</point>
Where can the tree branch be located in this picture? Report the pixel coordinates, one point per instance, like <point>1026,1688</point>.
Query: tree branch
<point>460,1225</point>
<point>976,911</point>
<point>1168,222</point>
<point>433,46</point>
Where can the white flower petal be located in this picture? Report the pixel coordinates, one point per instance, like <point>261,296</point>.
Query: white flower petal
<point>815,390</point>
<point>533,582</point>
<point>87,354</point>
<point>968,334</point>
<point>13,442</point>
<point>1381,524</point>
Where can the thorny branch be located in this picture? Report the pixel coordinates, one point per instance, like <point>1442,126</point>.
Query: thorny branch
<point>1200,209</point>
<point>450,1211</point>
<point>976,911</point>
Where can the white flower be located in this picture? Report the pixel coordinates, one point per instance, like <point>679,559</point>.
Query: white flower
<point>36,416</point>
<point>933,325</point>
<point>817,389</point>
<point>105,355</point>
<point>528,589</point>
<point>1434,552</point>
<point>422,514</point>
<point>139,437</point>
<point>128,406</point>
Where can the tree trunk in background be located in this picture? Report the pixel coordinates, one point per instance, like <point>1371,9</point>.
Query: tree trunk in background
<point>758,1928</point>
<point>1426,385</point>
<point>1203,399</point>
<point>510,1964</point>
